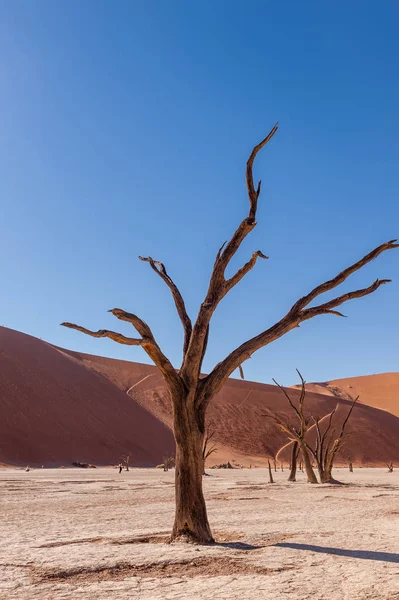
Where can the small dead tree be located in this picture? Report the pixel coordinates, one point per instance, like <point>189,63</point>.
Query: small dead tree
<point>126,460</point>
<point>168,462</point>
<point>271,480</point>
<point>296,433</point>
<point>390,467</point>
<point>208,447</point>
<point>327,445</point>
<point>350,464</point>
<point>189,390</point>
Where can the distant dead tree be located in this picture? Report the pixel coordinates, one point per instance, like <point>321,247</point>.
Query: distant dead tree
<point>168,462</point>
<point>296,433</point>
<point>126,460</point>
<point>190,391</point>
<point>350,464</point>
<point>271,480</point>
<point>208,447</point>
<point>390,467</point>
<point>327,445</point>
<point>272,454</point>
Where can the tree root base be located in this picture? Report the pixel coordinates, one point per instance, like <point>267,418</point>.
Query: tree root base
<point>186,536</point>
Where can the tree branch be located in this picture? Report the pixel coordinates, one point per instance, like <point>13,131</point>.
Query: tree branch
<point>343,275</point>
<point>326,308</point>
<point>253,194</point>
<point>102,333</point>
<point>218,286</point>
<point>230,283</point>
<point>147,342</point>
<point>160,269</point>
<point>215,380</point>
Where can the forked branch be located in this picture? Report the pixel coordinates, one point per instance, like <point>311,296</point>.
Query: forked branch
<point>296,315</point>
<point>160,269</point>
<point>218,285</point>
<point>147,342</point>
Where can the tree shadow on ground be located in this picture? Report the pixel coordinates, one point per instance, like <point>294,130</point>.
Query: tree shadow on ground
<point>238,545</point>
<point>363,554</point>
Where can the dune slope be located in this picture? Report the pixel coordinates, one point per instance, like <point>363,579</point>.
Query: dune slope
<point>58,406</point>
<point>55,410</point>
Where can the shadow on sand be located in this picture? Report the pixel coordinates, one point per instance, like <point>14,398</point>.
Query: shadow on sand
<point>239,545</point>
<point>363,554</point>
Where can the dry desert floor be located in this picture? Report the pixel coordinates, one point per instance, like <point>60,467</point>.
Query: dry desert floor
<point>95,534</point>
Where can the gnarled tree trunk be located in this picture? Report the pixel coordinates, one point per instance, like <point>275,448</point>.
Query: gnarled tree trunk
<point>191,520</point>
<point>308,465</point>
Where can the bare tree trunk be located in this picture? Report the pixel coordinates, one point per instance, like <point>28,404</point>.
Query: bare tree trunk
<point>350,464</point>
<point>191,520</point>
<point>329,462</point>
<point>275,465</point>
<point>308,466</point>
<point>294,456</point>
<point>271,480</point>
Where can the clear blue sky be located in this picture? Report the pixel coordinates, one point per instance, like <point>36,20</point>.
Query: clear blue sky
<point>125,128</point>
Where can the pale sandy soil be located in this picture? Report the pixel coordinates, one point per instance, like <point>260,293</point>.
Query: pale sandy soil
<point>61,529</point>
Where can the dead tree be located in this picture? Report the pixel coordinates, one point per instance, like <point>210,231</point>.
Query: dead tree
<point>294,458</point>
<point>190,391</point>
<point>126,460</point>
<point>327,445</point>
<point>390,467</point>
<point>350,464</point>
<point>208,448</point>
<point>296,433</point>
<point>271,480</point>
<point>168,462</point>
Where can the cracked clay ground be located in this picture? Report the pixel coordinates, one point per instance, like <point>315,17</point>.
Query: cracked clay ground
<point>76,534</point>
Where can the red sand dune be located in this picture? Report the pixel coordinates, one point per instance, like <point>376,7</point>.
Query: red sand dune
<point>380,391</point>
<point>236,414</point>
<point>58,406</point>
<point>55,410</point>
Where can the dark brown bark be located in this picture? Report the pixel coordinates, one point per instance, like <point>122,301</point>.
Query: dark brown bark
<point>187,384</point>
<point>294,457</point>
<point>191,521</point>
<point>350,464</point>
<point>308,465</point>
<point>271,480</point>
<point>390,467</point>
